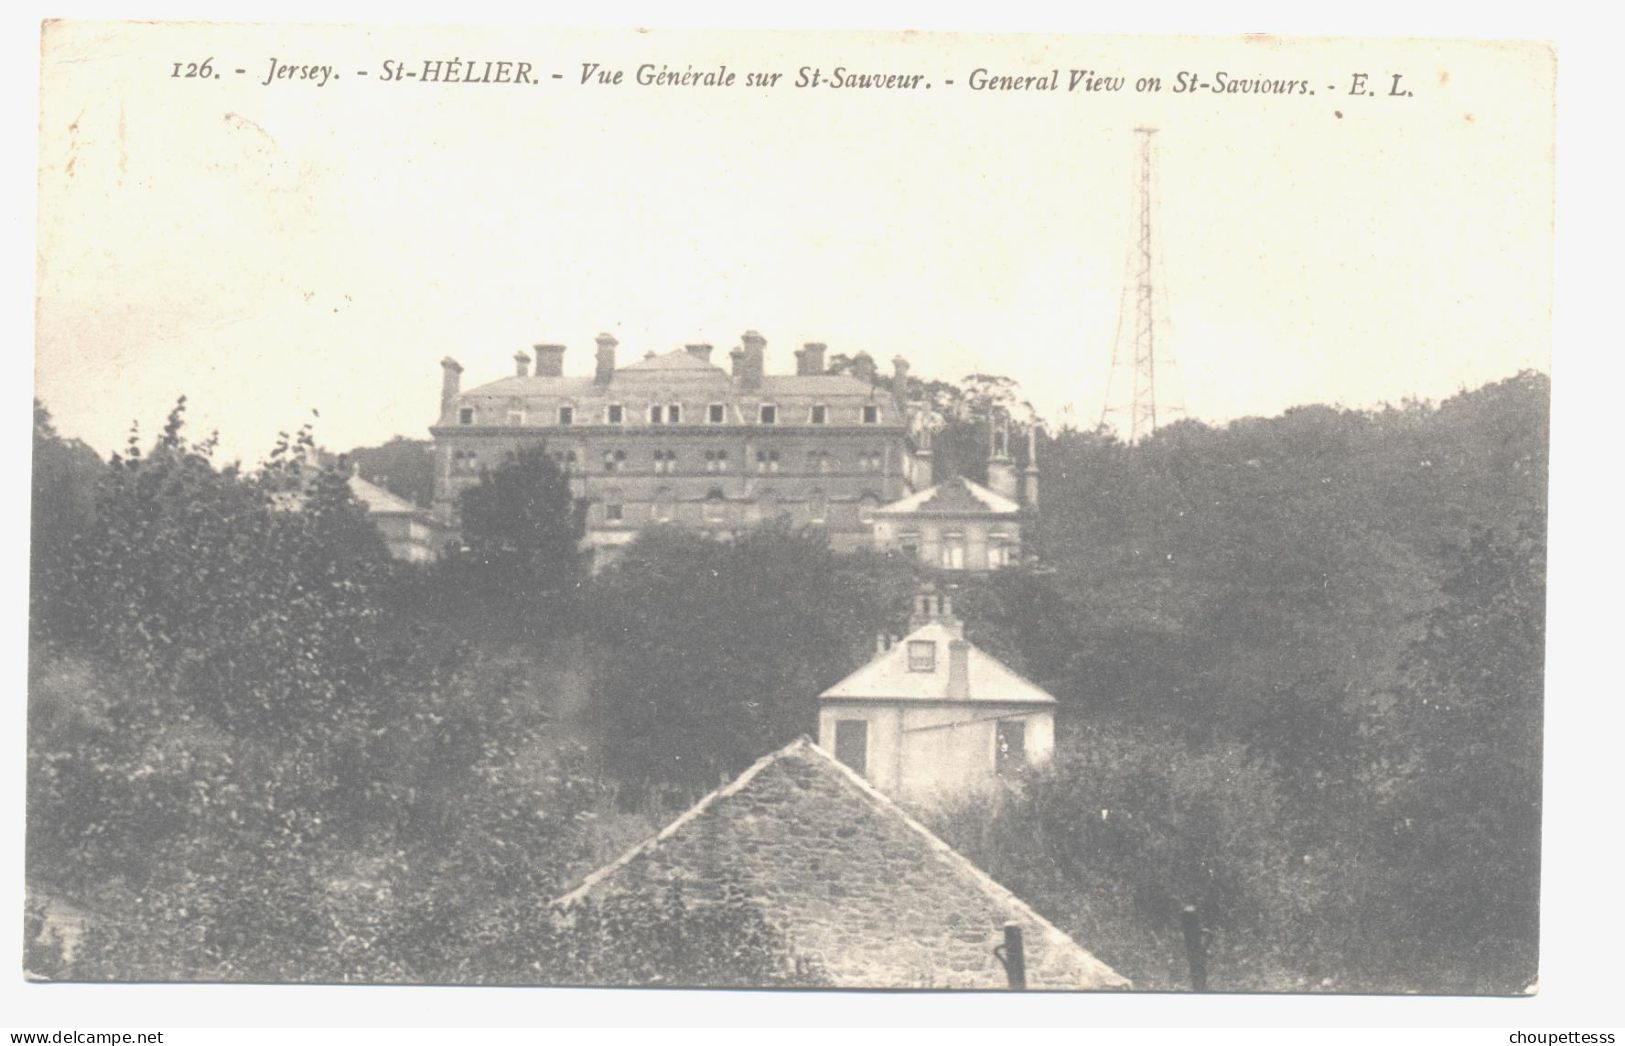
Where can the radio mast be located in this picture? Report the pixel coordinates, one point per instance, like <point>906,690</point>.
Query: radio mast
<point>1142,393</point>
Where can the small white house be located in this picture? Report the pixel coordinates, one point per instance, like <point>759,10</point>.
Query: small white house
<point>932,717</point>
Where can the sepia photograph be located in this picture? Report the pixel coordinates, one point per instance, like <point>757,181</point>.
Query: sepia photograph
<point>744,509</point>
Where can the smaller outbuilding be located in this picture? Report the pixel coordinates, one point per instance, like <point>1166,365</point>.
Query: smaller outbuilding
<point>956,525</point>
<point>933,717</point>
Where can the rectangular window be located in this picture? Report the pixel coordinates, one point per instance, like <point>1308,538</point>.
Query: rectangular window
<point>665,461</point>
<point>613,459</point>
<point>767,461</point>
<point>613,512</point>
<point>465,416</point>
<point>1010,757</point>
<point>656,414</point>
<point>922,655</point>
<point>953,553</point>
<point>674,414</point>
<point>871,414</point>
<point>614,414</point>
<point>852,743</point>
<point>820,414</point>
<point>769,414</point>
<point>715,414</point>
<point>567,416</point>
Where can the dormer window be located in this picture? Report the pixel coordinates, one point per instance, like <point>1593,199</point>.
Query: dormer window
<point>871,414</point>
<point>614,414</point>
<point>819,415</point>
<point>465,416</point>
<point>769,414</point>
<point>922,655</point>
<point>657,415</point>
<point>567,416</point>
<point>674,414</point>
<point>716,414</point>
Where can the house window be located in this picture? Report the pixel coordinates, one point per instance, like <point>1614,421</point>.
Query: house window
<point>852,744</point>
<point>922,655</point>
<point>820,415</point>
<point>567,416</point>
<point>657,414</point>
<point>716,506</point>
<point>465,416</point>
<point>613,512</point>
<point>613,460</point>
<point>867,503</point>
<point>716,461</point>
<point>818,506</point>
<point>908,542</point>
<point>464,461</point>
<point>769,414</point>
<point>565,459</point>
<point>665,461</point>
<point>767,461</point>
<point>1010,755</point>
<point>869,461</point>
<point>715,414</point>
<point>871,414</point>
<point>674,414</point>
<point>614,414</point>
<point>953,552</point>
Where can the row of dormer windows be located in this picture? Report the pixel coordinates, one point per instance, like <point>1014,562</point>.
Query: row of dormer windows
<point>665,461</point>
<point>672,414</point>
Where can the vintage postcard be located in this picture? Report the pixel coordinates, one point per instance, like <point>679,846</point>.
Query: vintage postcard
<point>788,510</point>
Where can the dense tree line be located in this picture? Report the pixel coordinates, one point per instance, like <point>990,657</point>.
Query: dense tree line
<point>1298,662</point>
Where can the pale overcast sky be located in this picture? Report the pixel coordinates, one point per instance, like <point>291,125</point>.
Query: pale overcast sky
<point>269,250</point>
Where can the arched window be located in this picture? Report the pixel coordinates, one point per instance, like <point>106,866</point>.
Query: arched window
<point>867,504</point>
<point>716,506</point>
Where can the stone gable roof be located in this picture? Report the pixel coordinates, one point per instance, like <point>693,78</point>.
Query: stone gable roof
<point>380,502</point>
<point>958,496</point>
<point>889,677</point>
<point>850,881</point>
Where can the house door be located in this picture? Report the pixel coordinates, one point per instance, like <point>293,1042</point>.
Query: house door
<point>852,744</point>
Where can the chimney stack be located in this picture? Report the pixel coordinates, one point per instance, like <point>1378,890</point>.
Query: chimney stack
<point>810,358</point>
<point>605,369</point>
<point>958,670</point>
<point>521,364</point>
<point>1029,491</point>
<point>748,360</point>
<point>700,351</point>
<point>549,361</point>
<point>451,380</point>
<point>899,380</point>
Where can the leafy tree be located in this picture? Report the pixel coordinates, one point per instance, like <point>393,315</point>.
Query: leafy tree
<point>711,653</point>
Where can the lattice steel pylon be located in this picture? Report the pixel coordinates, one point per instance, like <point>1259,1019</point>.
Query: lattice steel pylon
<point>1142,404</point>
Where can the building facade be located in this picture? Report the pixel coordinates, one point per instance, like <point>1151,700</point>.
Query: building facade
<point>675,439</point>
<point>932,717</point>
<point>954,526</point>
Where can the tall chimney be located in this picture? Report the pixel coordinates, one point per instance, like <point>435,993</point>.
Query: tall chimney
<point>700,351</point>
<point>810,358</point>
<point>748,361</point>
<point>451,381</point>
<point>521,364</point>
<point>605,369</point>
<point>1029,474</point>
<point>549,361</point>
<point>958,670</point>
<point>899,380</point>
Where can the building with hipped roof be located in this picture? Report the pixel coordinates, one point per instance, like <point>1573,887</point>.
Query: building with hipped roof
<point>853,885</point>
<point>933,717</point>
<point>674,439</point>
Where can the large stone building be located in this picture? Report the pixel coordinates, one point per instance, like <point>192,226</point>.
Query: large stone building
<point>933,717</point>
<point>676,439</point>
<point>855,886</point>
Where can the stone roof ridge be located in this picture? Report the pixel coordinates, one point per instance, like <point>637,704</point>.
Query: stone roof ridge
<point>586,885</point>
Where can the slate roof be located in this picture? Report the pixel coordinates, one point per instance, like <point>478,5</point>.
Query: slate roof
<point>889,677</point>
<point>956,496</point>
<point>380,502</point>
<point>848,879</point>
